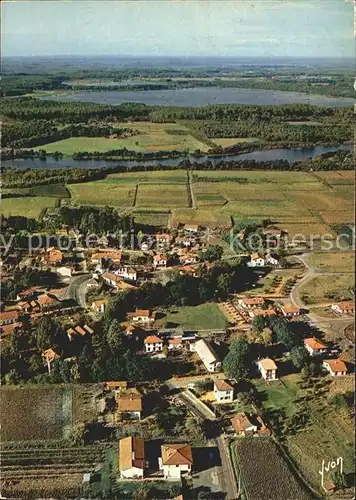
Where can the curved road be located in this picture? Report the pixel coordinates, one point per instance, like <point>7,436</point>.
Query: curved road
<point>335,325</point>
<point>77,289</point>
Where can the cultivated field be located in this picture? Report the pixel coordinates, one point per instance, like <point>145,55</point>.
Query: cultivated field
<point>153,195</point>
<point>29,207</point>
<point>264,472</point>
<point>103,193</point>
<point>300,202</point>
<point>54,190</point>
<point>151,137</point>
<point>44,413</point>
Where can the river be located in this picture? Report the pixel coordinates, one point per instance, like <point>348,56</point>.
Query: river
<point>291,155</point>
<point>202,96</point>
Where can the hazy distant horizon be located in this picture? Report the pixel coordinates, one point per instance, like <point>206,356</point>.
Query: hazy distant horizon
<point>254,28</point>
<point>32,63</point>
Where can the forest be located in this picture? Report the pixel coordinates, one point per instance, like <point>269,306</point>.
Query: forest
<point>29,122</point>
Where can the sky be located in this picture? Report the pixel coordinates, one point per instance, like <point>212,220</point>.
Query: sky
<point>306,28</point>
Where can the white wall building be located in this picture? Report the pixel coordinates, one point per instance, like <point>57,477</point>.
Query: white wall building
<point>207,355</point>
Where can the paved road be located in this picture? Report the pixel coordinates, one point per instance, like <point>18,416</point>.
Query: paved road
<point>77,289</point>
<point>223,473</point>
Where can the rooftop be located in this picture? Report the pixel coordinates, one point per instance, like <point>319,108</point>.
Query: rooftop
<point>132,453</point>
<point>267,364</point>
<point>176,454</point>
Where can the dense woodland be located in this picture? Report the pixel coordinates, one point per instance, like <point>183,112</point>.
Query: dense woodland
<point>308,80</point>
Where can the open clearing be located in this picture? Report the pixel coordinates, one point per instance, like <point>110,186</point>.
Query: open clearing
<point>41,413</point>
<point>152,195</point>
<point>326,287</point>
<point>29,207</point>
<point>203,317</point>
<point>341,262</point>
<point>328,433</point>
<point>151,137</point>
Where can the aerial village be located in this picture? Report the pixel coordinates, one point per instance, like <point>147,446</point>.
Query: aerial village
<point>203,380</point>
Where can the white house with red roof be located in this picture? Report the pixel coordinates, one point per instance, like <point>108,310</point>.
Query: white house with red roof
<point>336,367</point>
<point>314,346</point>
<point>223,391</point>
<point>141,316</point>
<point>153,344</point>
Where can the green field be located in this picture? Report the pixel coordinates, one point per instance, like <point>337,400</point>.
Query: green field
<point>203,317</point>
<point>151,137</point>
<point>103,193</point>
<point>300,202</point>
<point>29,207</point>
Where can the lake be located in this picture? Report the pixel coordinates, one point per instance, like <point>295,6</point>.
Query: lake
<point>202,96</point>
<point>290,155</point>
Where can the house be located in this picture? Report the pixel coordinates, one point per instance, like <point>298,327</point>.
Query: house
<point>262,312</point>
<point>188,258</point>
<point>191,228</point>
<point>141,316</point>
<point>99,306</point>
<point>27,307</point>
<point>54,256</point>
<point>336,367</point>
<point>175,344</point>
<point>185,241</point>
<point>127,273</point>
<point>46,302</point>
<point>49,356</point>
<point>189,270</point>
<point>8,317</point>
<point>268,368</point>
<point>271,260</point>
<point>344,307</point>
<point>256,260</point>
<point>160,260</point>
<point>153,344</point>
<point>116,385</point>
<point>176,460</point>
<point>111,255</point>
<point>10,329</point>
<point>28,294</point>
<point>273,234</point>
<point>249,425</point>
<point>252,302</point>
<point>129,404</point>
<point>223,391</point>
<point>79,331</point>
<point>243,425</point>
<point>132,457</point>
<point>207,355</point>
<point>164,239</point>
<point>314,346</point>
<point>112,279</point>
<point>290,311</point>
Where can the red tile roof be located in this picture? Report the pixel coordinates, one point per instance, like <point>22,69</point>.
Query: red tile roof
<point>152,339</point>
<point>336,365</point>
<point>222,385</point>
<point>176,454</point>
<point>314,344</point>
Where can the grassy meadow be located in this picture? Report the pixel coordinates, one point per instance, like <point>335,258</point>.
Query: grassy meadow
<point>31,207</point>
<point>205,316</point>
<point>151,137</point>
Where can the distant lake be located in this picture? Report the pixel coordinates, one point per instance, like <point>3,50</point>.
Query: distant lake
<point>202,96</point>
<point>291,155</point>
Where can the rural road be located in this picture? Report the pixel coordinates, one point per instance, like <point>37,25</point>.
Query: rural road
<point>335,325</point>
<point>225,471</point>
<point>190,183</point>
